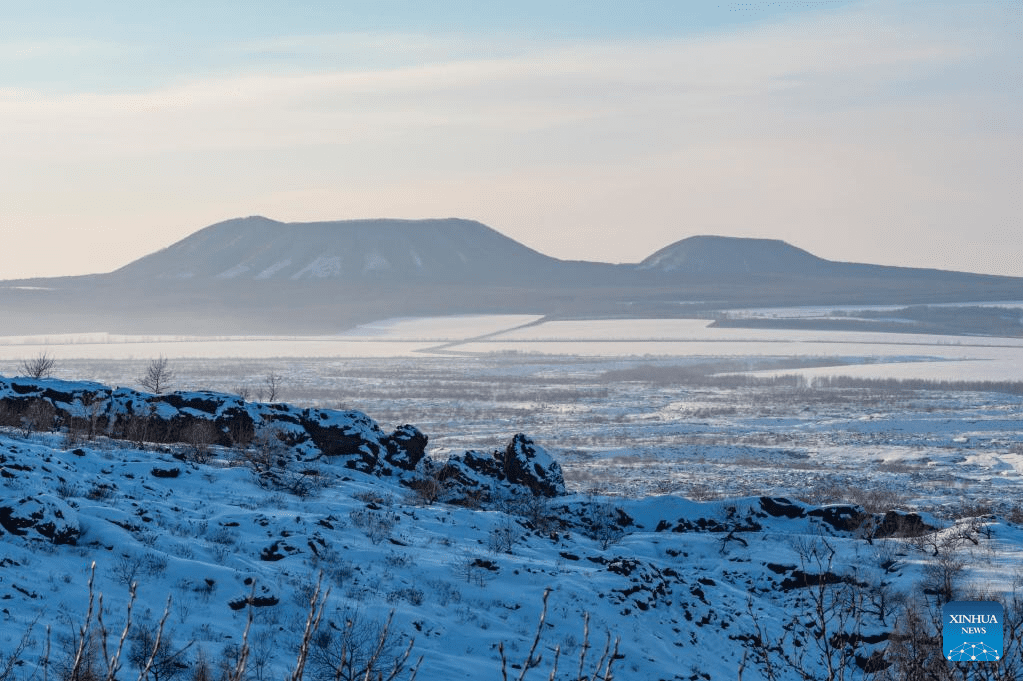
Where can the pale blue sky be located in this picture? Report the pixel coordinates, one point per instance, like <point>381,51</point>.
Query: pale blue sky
<point>858,129</point>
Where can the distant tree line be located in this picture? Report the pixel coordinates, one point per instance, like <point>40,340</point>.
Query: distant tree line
<point>729,374</point>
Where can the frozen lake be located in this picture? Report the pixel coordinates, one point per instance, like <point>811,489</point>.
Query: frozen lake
<point>851,353</point>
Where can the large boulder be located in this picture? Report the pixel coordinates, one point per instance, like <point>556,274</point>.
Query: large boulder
<point>406,448</point>
<point>527,463</point>
<point>781,507</point>
<point>523,466</point>
<point>901,524</point>
<point>473,475</point>
<point>844,517</point>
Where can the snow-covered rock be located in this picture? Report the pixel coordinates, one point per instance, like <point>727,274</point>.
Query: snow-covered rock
<point>526,463</point>
<point>523,466</point>
<point>42,515</point>
<point>349,438</point>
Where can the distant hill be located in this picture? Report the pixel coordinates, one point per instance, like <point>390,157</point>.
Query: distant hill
<point>256,275</point>
<point>715,255</point>
<point>260,249</point>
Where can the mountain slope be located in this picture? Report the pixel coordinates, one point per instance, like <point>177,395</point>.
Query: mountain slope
<point>260,249</point>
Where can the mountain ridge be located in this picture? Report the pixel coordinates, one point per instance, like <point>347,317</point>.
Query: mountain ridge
<point>258,275</point>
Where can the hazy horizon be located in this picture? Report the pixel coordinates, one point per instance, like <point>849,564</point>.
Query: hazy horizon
<point>857,130</point>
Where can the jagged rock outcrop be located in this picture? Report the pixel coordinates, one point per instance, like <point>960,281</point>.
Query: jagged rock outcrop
<point>528,464</point>
<point>208,418</point>
<point>851,518</point>
<point>522,466</point>
<point>347,438</point>
<point>406,448</point>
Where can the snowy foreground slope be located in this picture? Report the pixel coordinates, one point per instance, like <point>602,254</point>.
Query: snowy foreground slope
<point>243,516</point>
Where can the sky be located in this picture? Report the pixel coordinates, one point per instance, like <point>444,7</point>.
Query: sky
<point>882,131</point>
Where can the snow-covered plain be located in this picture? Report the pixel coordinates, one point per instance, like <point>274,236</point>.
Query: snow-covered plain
<point>649,412</point>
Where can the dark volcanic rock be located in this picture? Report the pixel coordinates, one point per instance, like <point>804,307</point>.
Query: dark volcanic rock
<point>47,516</point>
<point>803,580</point>
<point>780,506</point>
<point>528,464</point>
<point>349,438</point>
<point>841,517</point>
<point>522,465</point>
<point>406,447</point>
<point>473,475</point>
<point>901,524</point>
<point>205,418</point>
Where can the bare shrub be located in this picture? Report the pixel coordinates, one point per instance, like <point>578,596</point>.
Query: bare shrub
<point>914,646</point>
<point>139,428</point>
<point>337,569</point>
<point>40,366</point>
<point>74,433</point>
<point>127,569</point>
<point>873,500</point>
<point>699,491</point>
<point>13,660</point>
<point>269,458</point>
<point>273,382</point>
<point>357,649</point>
<point>201,435</point>
<point>158,376</point>
<point>502,538</point>
<point>944,569</point>
<point>824,640</point>
<point>602,519</point>
<point>377,524</point>
<point>100,491</point>
<point>426,491</point>
<point>39,416</point>
<point>472,568</point>
<point>974,509</point>
<point>536,509</point>
<point>154,654</point>
<point>67,490</point>
<point>266,453</point>
<point>599,671</point>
